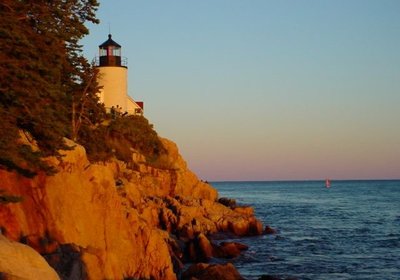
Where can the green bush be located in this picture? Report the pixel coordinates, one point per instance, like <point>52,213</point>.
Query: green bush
<point>119,137</point>
<point>94,141</point>
<point>137,132</point>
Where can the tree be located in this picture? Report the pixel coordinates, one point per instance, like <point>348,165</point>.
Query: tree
<point>41,73</point>
<point>85,107</point>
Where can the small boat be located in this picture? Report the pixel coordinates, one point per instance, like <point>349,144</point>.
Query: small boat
<point>327,183</point>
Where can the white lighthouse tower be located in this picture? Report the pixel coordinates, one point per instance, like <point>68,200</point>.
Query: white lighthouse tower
<point>113,78</point>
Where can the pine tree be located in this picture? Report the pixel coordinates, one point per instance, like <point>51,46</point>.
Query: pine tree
<point>41,74</point>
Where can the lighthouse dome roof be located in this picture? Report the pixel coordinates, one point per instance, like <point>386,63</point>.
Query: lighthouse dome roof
<point>109,42</point>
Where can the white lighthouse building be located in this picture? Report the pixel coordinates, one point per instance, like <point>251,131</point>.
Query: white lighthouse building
<point>113,78</point>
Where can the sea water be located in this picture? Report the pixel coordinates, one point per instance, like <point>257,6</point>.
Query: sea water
<point>348,231</point>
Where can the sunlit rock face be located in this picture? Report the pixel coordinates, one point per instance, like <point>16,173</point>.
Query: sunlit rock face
<point>109,221</point>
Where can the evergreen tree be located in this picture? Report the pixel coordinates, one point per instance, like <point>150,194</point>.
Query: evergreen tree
<point>41,76</point>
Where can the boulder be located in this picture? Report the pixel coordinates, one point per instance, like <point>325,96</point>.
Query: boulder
<point>205,248</point>
<point>269,277</point>
<point>228,202</point>
<point>269,230</point>
<point>19,261</point>
<point>245,210</point>
<point>231,249</point>
<point>200,249</point>
<point>256,227</point>
<point>202,271</point>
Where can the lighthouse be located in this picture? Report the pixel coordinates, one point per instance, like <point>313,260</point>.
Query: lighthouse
<point>113,80</point>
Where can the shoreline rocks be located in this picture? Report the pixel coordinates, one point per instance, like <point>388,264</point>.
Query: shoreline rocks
<point>270,230</point>
<point>202,271</point>
<point>110,221</point>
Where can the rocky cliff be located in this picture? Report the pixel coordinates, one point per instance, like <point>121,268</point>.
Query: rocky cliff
<point>113,221</point>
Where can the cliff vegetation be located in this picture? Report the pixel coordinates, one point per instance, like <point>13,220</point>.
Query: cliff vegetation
<point>48,89</point>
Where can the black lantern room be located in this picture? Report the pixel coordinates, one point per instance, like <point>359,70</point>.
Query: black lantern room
<point>110,53</point>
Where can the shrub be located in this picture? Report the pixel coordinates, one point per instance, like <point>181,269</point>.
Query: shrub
<point>93,139</point>
<point>135,132</point>
<point>119,137</point>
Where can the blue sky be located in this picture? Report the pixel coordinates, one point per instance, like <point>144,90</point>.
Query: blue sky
<point>266,90</point>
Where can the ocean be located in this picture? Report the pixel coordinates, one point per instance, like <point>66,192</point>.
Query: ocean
<point>348,231</point>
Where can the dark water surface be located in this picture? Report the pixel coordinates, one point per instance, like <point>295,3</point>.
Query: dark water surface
<point>349,231</point>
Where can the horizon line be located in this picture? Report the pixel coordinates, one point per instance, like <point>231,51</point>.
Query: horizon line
<point>298,180</point>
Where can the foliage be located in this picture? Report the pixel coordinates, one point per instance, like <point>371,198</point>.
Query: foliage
<point>86,110</point>
<point>94,141</point>
<point>138,133</point>
<point>119,137</point>
<point>42,76</point>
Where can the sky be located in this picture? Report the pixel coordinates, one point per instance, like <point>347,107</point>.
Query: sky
<point>265,89</point>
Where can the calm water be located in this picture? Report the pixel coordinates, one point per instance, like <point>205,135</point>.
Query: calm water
<point>350,231</point>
